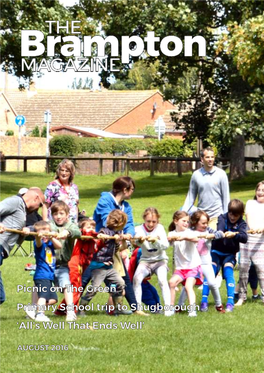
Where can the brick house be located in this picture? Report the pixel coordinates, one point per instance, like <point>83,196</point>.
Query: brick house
<point>7,116</point>
<point>119,112</point>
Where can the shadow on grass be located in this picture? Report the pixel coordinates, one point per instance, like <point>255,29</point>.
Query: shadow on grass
<point>146,186</point>
<point>91,187</point>
<point>247,183</point>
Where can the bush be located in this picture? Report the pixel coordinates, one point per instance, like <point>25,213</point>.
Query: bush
<point>44,132</point>
<point>67,145</point>
<point>167,147</point>
<point>9,133</point>
<point>112,146</point>
<point>62,145</point>
<point>35,132</point>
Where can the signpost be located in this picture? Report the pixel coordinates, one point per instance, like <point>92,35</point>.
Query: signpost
<point>160,127</point>
<point>47,120</point>
<point>20,121</point>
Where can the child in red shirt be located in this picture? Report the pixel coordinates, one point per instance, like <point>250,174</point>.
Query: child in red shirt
<point>81,257</point>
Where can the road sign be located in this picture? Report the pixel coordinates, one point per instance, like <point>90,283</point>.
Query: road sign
<point>20,120</point>
<point>47,116</point>
<point>160,126</point>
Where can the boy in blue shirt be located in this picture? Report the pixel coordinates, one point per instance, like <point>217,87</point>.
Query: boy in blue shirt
<point>44,248</point>
<point>224,250</point>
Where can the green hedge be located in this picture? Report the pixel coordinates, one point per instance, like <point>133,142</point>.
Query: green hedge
<point>62,145</point>
<point>168,147</point>
<point>70,146</point>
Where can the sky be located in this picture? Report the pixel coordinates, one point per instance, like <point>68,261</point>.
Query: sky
<point>54,80</point>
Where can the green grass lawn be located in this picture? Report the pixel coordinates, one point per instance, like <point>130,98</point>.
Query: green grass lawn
<point>210,343</point>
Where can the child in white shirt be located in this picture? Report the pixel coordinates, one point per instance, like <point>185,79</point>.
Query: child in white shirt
<point>152,239</point>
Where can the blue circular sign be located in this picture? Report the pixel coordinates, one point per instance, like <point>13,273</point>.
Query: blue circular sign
<point>20,120</point>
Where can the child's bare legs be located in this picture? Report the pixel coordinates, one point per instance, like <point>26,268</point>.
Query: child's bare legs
<point>34,297</point>
<point>41,307</point>
<point>41,303</point>
<point>68,296</point>
<point>110,305</point>
<point>183,297</point>
<point>173,282</point>
<point>189,284</point>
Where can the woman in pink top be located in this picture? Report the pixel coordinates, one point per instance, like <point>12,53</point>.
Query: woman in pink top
<point>62,189</point>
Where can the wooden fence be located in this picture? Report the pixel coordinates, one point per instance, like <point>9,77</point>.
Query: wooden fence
<point>153,161</point>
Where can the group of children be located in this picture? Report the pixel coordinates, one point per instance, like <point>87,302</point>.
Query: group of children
<point>199,253</point>
<point>200,250</point>
<point>61,262</point>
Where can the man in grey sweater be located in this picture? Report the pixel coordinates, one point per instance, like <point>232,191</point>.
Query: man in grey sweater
<point>13,212</point>
<point>210,184</point>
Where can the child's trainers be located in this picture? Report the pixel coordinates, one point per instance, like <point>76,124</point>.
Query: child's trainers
<point>141,313</point>
<point>229,307</point>
<point>204,307</point>
<point>220,309</point>
<point>82,313</point>
<point>192,314</point>
<point>42,318</point>
<point>31,314</point>
<point>239,302</point>
<point>71,316</point>
<point>169,313</point>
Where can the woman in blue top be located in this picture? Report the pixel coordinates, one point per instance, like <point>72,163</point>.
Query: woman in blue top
<point>122,189</point>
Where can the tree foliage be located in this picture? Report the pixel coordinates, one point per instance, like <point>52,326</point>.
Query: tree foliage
<point>17,15</point>
<point>225,88</point>
<point>86,84</point>
<point>35,132</point>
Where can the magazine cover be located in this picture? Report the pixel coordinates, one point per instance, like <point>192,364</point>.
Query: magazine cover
<point>131,158</point>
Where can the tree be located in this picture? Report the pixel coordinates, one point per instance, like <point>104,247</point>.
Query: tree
<point>240,116</point>
<point>35,132</point>
<point>140,77</point>
<point>197,119</point>
<point>44,132</point>
<point>245,45</point>
<point>165,18</point>
<point>17,15</point>
<point>87,84</point>
<point>237,121</point>
<point>148,130</point>
<point>143,76</point>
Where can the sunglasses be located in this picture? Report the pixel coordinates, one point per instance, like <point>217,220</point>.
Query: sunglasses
<point>40,202</point>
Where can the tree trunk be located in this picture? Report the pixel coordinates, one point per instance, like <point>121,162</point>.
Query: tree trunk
<point>237,158</point>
